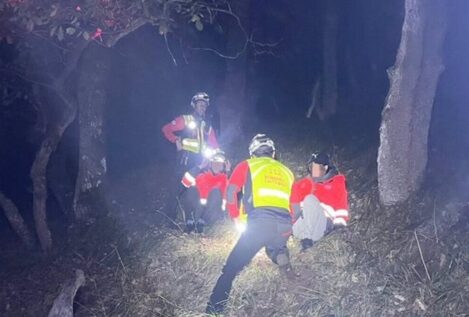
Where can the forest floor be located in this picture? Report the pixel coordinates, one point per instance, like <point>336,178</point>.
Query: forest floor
<point>408,260</point>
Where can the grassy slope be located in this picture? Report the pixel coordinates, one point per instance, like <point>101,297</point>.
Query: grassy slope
<point>410,260</point>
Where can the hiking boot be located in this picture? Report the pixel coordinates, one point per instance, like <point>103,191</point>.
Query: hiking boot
<point>199,228</point>
<point>189,227</point>
<point>306,244</point>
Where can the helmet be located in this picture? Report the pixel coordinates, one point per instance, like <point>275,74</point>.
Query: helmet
<point>261,145</point>
<point>200,96</point>
<point>218,157</point>
<point>318,158</point>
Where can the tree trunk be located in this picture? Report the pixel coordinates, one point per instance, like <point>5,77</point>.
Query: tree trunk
<point>58,109</point>
<point>91,104</point>
<point>329,73</point>
<point>402,155</point>
<point>63,304</point>
<point>232,101</point>
<point>38,176</point>
<point>16,220</point>
<point>61,171</point>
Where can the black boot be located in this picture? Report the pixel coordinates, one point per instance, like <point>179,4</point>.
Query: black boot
<point>306,244</point>
<point>199,227</point>
<point>190,226</point>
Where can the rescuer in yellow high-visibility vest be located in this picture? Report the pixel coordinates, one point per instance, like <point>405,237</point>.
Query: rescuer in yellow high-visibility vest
<point>194,138</point>
<point>192,133</point>
<point>266,185</point>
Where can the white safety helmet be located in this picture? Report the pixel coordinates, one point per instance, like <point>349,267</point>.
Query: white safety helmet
<point>200,96</point>
<point>218,157</point>
<point>261,145</point>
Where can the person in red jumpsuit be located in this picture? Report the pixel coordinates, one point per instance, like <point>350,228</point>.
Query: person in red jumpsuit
<point>203,202</point>
<point>192,134</point>
<point>319,202</point>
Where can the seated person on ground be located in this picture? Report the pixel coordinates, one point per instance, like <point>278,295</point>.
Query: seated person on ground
<point>319,202</point>
<point>203,201</point>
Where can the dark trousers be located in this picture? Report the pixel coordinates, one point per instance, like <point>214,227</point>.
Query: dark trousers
<point>185,161</point>
<point>198,213</point>
<point>271,233</point>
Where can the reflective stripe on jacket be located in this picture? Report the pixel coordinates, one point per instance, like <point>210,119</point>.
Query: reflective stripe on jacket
<point>195,134</point>
<point>271,183</point>
<point>205,181</point>
<point>332,193</point>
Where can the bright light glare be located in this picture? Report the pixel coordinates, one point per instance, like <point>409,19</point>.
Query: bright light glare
<point>208,152</point>
<point>240,227</point>
<point>192,125</point>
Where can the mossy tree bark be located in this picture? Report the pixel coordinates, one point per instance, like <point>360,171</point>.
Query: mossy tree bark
<point>402,154</point>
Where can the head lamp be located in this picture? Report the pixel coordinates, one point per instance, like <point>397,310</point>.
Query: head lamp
<point>192,125</point>
<point>208,152</point>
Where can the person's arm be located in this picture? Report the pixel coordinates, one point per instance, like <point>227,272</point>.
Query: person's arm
<point>235,184</point>
<point>188,180</point>
<point>295,203</point>
<point>342,215</point>
<point>300,190</point>
<point>170,128</point>
<point>333,198</point>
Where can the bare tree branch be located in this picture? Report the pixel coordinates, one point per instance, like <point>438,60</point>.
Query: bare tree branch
<point>240,25</point>
<point>113,39</point>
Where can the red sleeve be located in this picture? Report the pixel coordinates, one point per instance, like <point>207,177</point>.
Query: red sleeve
<point>212,139</point>
<point>295,194</point>
<point>174,126</point>
<point>300,190</point>
<point>341,204</point>
<point>235,184</point>
<point>334,194</point>
<point>203,184</point>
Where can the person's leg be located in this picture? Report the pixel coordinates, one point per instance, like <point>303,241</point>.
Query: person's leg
<point>192,159</point>
<point>317,220</point>
<point>276,247</point>
<point>213,211</point>
<point>176,189</point>
<point>245,249</point>
<point>312,226</point>
<point>199,211</point>
<point>189,204</point>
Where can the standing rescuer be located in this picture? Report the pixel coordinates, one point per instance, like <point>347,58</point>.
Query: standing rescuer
<point>191,133</point>
<point>266,187</point>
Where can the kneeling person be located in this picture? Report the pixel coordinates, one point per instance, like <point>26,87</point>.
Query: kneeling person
<point>266,186</point>
<point>319,201</point>
<point>203,201</point>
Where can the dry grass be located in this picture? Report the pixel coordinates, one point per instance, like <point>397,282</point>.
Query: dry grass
<point>185,268</point>
<point>409,260</point>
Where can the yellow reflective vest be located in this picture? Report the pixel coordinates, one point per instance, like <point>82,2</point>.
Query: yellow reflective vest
<point>271,183</point>
<point>197,140</point>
